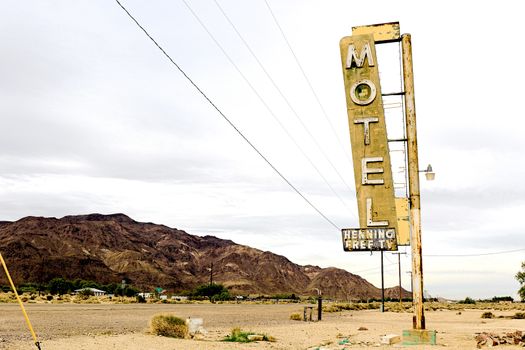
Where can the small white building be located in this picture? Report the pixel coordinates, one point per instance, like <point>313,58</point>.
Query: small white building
<point>96,292</point>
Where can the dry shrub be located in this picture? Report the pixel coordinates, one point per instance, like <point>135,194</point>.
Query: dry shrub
<point>487,314</point>
<point>295,317</point>
<point>169,326</point>
<point>519,315</point>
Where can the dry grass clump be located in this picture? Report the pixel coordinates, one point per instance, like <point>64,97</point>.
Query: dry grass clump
<point>295,317</point>
<point>397,307</point>
<point>350,306</point>
<point>8,297</point>
<point>488,314</point>
<point>519,315</point>
<point>168,326</point>
<point>479,305</point>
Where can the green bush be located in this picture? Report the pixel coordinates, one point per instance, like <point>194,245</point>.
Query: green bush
<point>240,336</point>
<point>169,326</point>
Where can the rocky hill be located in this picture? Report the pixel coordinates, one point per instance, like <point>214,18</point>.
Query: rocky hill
<point>109,248</point>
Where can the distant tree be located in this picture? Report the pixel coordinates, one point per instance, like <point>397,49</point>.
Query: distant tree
<point>85,293</point>
<point>59,285</point>
<point>505,298</point>
<point>468,300</point>
<point>80,284</point>
<point>520,276</point>
<point>129,291</point>
<point>213,291</point>
<point>112,288</point>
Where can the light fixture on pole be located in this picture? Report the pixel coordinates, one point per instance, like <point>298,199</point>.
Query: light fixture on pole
<point>429,173</point>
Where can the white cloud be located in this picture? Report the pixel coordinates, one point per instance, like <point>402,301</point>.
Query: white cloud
<point>95,119</point>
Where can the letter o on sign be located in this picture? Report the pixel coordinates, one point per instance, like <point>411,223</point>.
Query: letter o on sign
<point>363,92</point>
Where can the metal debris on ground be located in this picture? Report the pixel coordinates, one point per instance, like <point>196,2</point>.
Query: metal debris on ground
<point>492,339</point>
<point>344,341</point>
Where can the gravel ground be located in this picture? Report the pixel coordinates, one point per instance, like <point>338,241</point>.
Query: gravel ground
<point>124,326</point>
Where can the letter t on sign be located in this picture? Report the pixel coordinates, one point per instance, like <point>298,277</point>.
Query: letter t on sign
<point>366,122</point>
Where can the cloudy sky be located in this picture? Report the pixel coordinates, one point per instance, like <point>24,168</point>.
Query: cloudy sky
<point>95,119</point>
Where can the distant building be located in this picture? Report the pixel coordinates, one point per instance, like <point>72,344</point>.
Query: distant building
<point>179,297</point>
<point>96,292</point>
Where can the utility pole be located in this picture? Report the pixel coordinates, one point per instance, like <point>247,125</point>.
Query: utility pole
<point>399,266</point>
<point>382,284</point>
<point>413,181</point>
<point>211,274</point>
<point>411,286</point>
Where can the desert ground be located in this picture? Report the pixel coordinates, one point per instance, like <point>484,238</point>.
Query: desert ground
<point>125,326</point>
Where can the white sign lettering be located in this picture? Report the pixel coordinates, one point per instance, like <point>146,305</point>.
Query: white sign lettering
<point>352,57</point>
<point>366,126</point>
<point>365,170</point>
<point>369,220</point>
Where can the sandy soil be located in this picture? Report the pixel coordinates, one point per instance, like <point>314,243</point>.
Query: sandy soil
<point>117,326</point>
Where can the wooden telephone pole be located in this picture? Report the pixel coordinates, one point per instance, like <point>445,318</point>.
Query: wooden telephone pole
<point>413,183</point>
<point>399,272</point>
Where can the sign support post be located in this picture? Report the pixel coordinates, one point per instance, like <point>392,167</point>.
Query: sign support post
<point>379,220</point>
<point>413,182</point>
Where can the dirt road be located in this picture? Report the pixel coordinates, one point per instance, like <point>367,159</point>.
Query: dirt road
<point>124,326</point>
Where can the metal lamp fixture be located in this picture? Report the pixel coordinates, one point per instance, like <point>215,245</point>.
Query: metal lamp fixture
<point>429,174</point>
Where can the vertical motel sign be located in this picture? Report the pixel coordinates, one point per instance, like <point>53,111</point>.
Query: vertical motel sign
<point>372,169</point>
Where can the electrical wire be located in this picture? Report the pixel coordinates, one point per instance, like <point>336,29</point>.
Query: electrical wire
<point>374,268</point>
<point>446,255</point>
<point>227,119</point>
<point>470,255</point>
<point>318,100</point>
<point>299,119</point>
<point>268,75</point>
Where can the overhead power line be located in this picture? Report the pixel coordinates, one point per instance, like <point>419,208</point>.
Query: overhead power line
<point>263,101</point>
<point>448,256</point>
<point>285,99</point>
<point>227,119</point>
<point>312,89</point>
<point>469,255</point>
<point>263,68</point>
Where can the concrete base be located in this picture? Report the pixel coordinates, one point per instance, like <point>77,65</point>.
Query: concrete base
<point>390,339</point>
<point>419,337</point>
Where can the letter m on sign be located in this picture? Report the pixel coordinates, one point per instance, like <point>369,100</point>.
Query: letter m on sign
<point>358,60</point>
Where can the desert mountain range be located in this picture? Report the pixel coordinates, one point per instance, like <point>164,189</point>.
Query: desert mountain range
<point>109,248</point>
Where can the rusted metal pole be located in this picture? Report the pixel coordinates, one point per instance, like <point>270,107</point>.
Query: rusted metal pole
<point>319,308</point>
<point>413,181</point>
